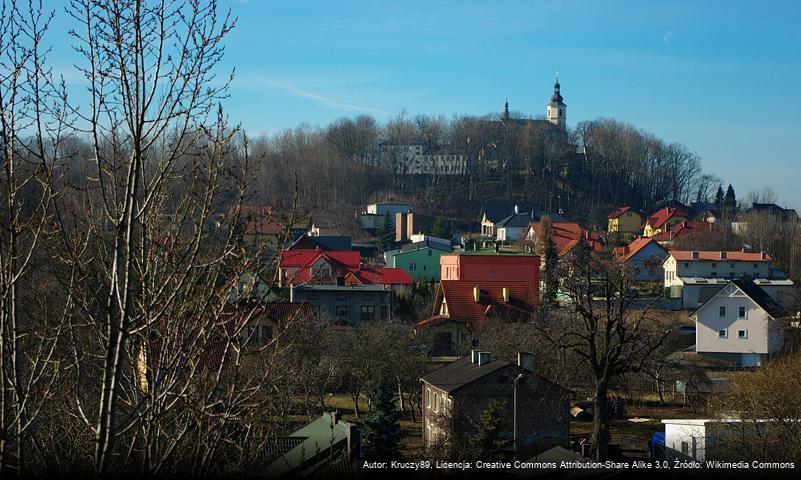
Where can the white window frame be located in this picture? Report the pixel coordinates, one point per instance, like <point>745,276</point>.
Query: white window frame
<point>428,398</point>
<point>725,333</point>
<point>436,402</point>
<point>744,333</point>
<point>744,311</point>
<point>722,311</point>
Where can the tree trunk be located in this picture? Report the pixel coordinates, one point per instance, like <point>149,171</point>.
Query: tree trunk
<point>599,441</point>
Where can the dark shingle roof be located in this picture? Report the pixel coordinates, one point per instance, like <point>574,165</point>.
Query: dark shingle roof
<point>519,220</point>
<point>461,372</point>
<point>325,242</point>
<point>496,213</point>
<point>761,298</point>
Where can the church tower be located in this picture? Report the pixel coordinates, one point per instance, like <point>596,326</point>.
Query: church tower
<point>557,110</point>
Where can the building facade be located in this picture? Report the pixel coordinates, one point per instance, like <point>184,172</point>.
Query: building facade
<point>346,305</point>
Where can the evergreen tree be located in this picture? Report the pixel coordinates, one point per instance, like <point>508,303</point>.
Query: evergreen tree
<point>441,228</point>
<point>488,442</point>
<point>730,201</point>
<point>551,262</point>
<point>719,197</point>
<point>385,236</point>
<point>382,433</point>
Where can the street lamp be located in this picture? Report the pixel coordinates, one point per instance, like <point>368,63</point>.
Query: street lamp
<point>514,415</point>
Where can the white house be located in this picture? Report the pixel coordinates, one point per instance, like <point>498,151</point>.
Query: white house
<point>708,439</point>
<point>644,256</point>
<point>687,272</point>
<point>373,216</point>
<point>740,324</point>
<point>512,227</point>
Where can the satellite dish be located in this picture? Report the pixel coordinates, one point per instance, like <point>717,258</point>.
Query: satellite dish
<point>474,342</point>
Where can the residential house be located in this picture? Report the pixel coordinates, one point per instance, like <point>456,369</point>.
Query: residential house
<point>326,447</point>
<point>662,220</point>
<point>456,395</point>
<point>690,232</point>
<point>513,227</point>
<point>624,220</point>
<point>316,266</point>
<point>374,214</point>
<point>712,439</point>
<point>410,223</point>
<point>771,210</point>
<point>346,305</point>
<point>688,273</point>
<point>419,259</point>
<point>492,214</point>
<point>740,324</point>
<point>475,288</point>
<point>564,235</point>
<point>395,279</point>
<point>644,256</point>
<point>264,225</point>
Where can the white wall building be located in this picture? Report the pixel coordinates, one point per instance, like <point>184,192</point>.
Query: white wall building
<point>708,439</point>
<point>740,324</point>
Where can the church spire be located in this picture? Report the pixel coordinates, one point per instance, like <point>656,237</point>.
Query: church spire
<point>557,110</point>
<point>506,110</point>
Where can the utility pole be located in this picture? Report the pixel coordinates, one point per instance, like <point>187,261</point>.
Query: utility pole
<point>514,415</point>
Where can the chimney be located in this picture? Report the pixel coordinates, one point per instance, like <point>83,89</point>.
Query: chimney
<point>696,255</point>
<point>484,358</point>
<point>335,417</point>
<point>474,356</point>
<point>505,292</point>
<point>723,255</point>
<point>764,255</point>
<point>517,209</point>
<point>476,293</point>
<point>525,360</point>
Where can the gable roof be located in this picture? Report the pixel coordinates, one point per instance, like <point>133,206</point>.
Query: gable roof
<point>620,211</point>
<point>516,220</point>
<point>661,216</point>
<point>688,227</point>
<point>462,372</point>
<point>737,256</point>
<point>624,254</point>
<point>463,308</point>
<point>305,258</point>
<point>755,293</point>
<point>497,212</point>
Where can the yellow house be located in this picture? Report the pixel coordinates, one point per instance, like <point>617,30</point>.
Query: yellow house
<point>662,220</point>
<point>624,220</point>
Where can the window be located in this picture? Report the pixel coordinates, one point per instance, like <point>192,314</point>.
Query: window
<point>756,266</point>
<point>723,333</point>
<point>742,334</point>
<point>714,265</point>
<point>367,298</point>
<point>384,312</point>
<point>412,266</point>
<point>722,312</point>
<point>685,448</point>
<point>342,312</point>
<point>741,312</point>
<point>367,313</point>
<point>436,402</point>
<point>428,398</point>
<point>342,297</point>
<point>714,274</point>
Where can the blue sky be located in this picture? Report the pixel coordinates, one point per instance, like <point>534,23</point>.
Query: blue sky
<point>721,77</point>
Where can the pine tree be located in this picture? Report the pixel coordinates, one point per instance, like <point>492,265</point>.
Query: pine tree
<point>385,236</point>
<point>488,442</point>
<point>382,433</point>
<point>719,197</point>
<point>730,200</point>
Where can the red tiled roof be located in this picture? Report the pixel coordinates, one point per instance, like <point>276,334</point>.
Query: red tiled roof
<point>593,239</point>
<point>624,254</point>
<point>462,307</point>
<point>620,211</point>
<point>685,228</point>
<point>685,255</point>
<point>304,258</point>
<point>661,216</point>
<point>564,235</point>
<point>379,276</point>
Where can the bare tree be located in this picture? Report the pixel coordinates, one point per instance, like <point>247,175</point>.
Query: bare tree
<point>601,326</point>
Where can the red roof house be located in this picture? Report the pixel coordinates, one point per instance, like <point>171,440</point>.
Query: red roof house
<point>316,266</point>
<point>662,220</point>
